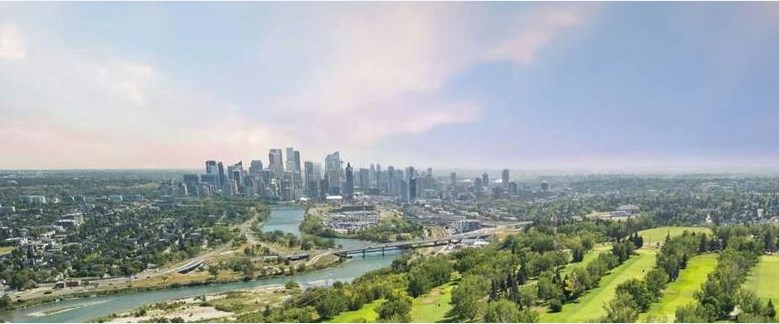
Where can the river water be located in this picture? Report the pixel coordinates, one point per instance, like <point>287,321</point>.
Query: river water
<point>282,218</point>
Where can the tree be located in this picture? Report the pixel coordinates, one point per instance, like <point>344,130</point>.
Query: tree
<point>331,303</point>
<point>704,243</point>
<point>466,298</point>
<point>428,274</point>
<point>656,281</point>
<point>527,316</point>
<point>621,309</point>
<point>397,308</point>
<point>690,314</point>
<point>5,301</point>
<point>638,292</point>
<point>555,306</point>
<point>770,310</point>
<point>502,311</point>
<point>213,270</point>
<point>547,289</point>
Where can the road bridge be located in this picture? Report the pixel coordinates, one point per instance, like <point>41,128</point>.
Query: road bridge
<point>414,244</point>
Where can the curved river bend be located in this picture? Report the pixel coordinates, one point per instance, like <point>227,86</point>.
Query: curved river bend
<point>282,218</point>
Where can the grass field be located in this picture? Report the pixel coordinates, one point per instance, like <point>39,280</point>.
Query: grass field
<point>653,236</point>
<point>428,308</point>
<point>6,249</point>
<point>764,277</point>
<point>433,306</point>
<point>365,314</point>
<point>680,292</point>
<point>590,306</point>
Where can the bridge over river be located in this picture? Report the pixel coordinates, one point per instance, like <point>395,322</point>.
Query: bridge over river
<point>402,245</point>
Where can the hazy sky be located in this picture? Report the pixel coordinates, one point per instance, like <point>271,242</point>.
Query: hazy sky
<point>469,85</point>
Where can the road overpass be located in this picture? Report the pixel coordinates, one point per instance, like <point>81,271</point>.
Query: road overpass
<point>414,244</point>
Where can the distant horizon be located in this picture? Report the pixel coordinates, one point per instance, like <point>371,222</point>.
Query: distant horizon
<point>523,171</point>
<point>598,86</point>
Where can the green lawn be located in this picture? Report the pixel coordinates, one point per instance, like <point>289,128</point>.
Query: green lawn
<point>365,314</point>
<point>653,236</point>
<point>764,277</point>
<point>680,292</point>
<point>433,306</point>
<point>590,306</point>
<point>428,308</point>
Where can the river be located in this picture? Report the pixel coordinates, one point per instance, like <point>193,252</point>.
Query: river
<point>282,218</point>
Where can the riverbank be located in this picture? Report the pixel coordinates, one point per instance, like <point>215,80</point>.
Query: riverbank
<point>211,307</point>
<point>86,306</point>
<point>200,280</point>
<point>226,256</point>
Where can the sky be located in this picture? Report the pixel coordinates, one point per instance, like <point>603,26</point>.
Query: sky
<point>602,86</point>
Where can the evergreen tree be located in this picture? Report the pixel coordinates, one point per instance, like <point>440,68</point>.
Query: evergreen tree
<point>770,311</point>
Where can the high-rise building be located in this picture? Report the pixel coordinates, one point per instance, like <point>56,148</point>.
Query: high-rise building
<point>333,172</point>
<point>323,188</point>
<point>505,179</point>
<point>276,163</point>
<point>364,180</point>
<point>349,186</point>
<point>544,186</point>
<point>453,179</point>
<point>222,179</point>
<point>296,172</point>
<point>513,190</point>
<point>255,168</point>
<point>390,180</point>
<point>192,184</point>
<point>485,180</point>
<point>477,185</point>
<point>379,179</point>
<point>312,183</point>
<point>290,158</point>
<point>297,161</point>
<point>234,178</point>
<point>412,189</point>
<point>372,177</point>
<point>211,167</point>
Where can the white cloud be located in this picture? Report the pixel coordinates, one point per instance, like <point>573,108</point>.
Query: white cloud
<point>64,108</point>
<point>11,43</point>
<point>374,72</point>
<point>523,45</point>
<point>380,70</point>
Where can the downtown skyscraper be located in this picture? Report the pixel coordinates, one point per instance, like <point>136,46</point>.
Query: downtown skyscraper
<point>349,185</point>
<point>333,173</point>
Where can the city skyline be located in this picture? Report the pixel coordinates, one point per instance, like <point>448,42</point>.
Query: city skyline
<point>605,87</point>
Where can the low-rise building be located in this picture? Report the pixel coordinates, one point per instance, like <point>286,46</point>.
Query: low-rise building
<point>466,225</point>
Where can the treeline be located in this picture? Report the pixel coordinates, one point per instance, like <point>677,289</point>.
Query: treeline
<point>636,295</point>
<point>387,230</point>
<point>292,241</point>
<point>720,297</point>
<point>500,272</point>
<point>558,291</point>
<point>397,284</point>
